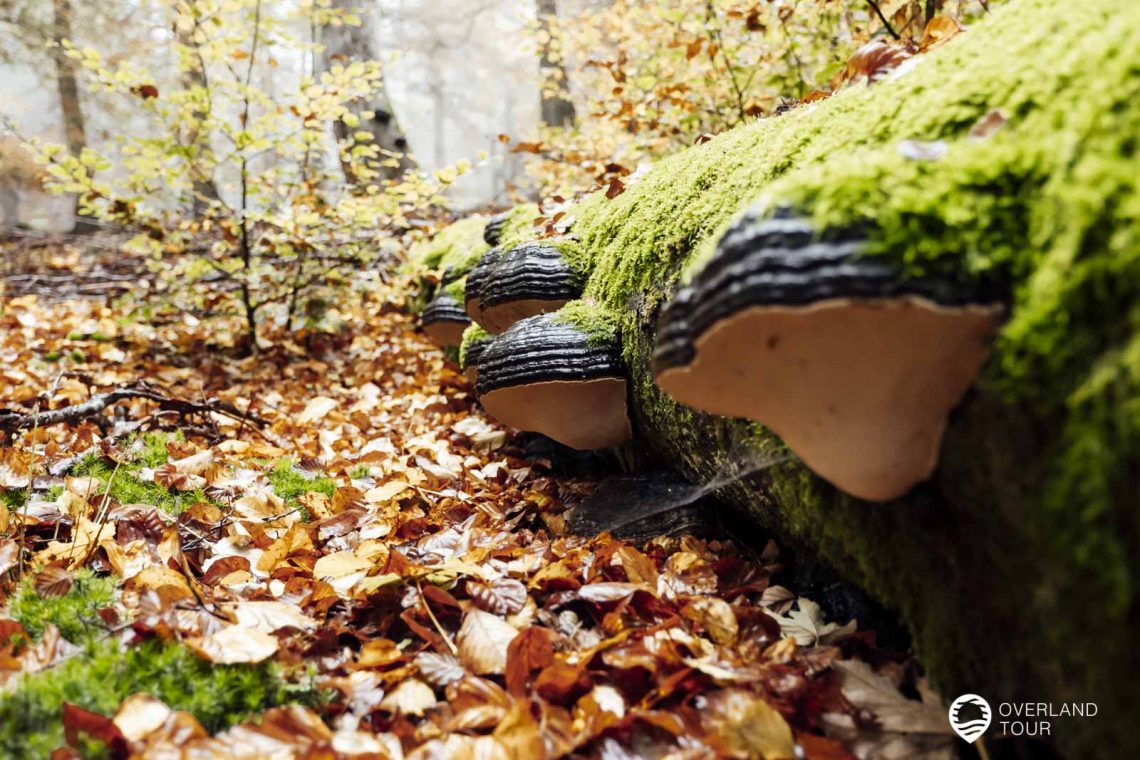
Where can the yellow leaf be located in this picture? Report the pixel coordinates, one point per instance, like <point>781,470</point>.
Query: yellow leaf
<point>236,644</point>
<point>385,493</point>
<point>316,409</point>
<point>483,640</point>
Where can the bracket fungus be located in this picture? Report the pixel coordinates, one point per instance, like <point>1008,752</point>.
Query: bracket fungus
<point>444,320</point>
<point>476,278</point>
<point>855,367</point>
<point>493,232</point>
<point>548,376</point>
<point>530,279</point>
<point>475,342</point>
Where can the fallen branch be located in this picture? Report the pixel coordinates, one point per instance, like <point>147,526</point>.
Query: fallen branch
<point>11,421</point>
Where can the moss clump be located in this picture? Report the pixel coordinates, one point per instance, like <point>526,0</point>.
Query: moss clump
<point>454,246</point>
<point>471,335</point>
<point>599,325</point>
<point>126,487</point>
<point>519,227</point>
<point>75,613</point>
<point>102,676</point>
<point>289,483</point>
<point>456,289</point>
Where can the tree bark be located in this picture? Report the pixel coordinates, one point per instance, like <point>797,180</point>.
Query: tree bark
<point>557,110</point>
<point>343,44</point>
<point>67,87</point>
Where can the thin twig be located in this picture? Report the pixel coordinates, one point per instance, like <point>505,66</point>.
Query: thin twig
<point>439,628</point>
<point>887,24</point>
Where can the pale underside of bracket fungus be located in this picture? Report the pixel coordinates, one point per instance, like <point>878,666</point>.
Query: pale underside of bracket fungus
<point>444,320</point>
<point>547,377</point>
<point>856,369</point>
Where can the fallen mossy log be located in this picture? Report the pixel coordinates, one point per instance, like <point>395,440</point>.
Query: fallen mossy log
<point>1004,161</point>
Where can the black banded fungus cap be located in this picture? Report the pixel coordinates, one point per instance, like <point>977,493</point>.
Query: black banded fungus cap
<point>493,232</point>
<point>550,377</point>
<point>855,367</point>
<point>476,279</point>
<point>444,320</point>
<point>471,354</point>
<point>530,279</point>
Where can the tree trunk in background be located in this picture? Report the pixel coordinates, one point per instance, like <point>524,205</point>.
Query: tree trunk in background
<point>74,127</point>
<point>557,111</point>
<point>344,44</point>
<point>205,189</point>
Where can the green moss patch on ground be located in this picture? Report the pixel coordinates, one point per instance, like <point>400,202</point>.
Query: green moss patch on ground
<point>103,674</point>
<point>75,613</point>
<point>290,482</point>
<point>124,483</point>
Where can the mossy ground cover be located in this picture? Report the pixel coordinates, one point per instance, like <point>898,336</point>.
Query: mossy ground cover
<point>290,483</point>
<point>104,673</point>
<point>125,485</point>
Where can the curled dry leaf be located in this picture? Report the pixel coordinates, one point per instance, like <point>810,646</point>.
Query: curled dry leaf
<point>988,124</point>
<point>411,697</point>
<point>923,151</point>
<point>53,582</point>
<point>750,727</point>
<point>140,715</point>
<point>714,615</point>
<point>439,669</point>
<point>236,644</point>
<point>874,61</point>
<point>483,642</point>
<point>502,597</point>
<point>531,650</point>
<point>9,555</point>
<point>317,409</point>
<point>807,626</point>
<point>938,30</point>
<point>272,616</point>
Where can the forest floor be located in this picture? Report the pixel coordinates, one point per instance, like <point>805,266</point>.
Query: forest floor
<point>327,550</point>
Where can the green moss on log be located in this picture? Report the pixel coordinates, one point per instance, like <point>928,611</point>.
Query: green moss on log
<point>519,226</point>
<point>600,325</point>
<point>472,334</point>
<point>458,245</point>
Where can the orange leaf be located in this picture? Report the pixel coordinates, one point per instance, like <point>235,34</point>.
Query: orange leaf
<point>938,30</point>
<point>531,650</point>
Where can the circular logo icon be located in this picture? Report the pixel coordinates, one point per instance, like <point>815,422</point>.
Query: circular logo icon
<point>970,717</point>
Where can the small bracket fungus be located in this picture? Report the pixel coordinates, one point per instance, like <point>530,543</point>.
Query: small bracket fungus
<point>531,279</point>
<point>854,367</point>
<point>475,342</point>
<point>444,320</point>
<point>493,232</point>
<point>476,278</point>
<point>550,377</point>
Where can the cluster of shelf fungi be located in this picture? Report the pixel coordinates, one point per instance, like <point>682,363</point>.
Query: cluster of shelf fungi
<point>853,365</point>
